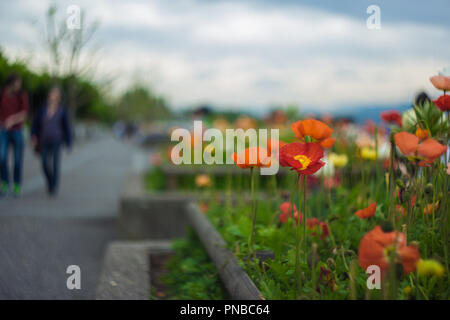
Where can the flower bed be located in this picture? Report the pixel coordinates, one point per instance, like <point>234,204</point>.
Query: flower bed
<point>382,234</point>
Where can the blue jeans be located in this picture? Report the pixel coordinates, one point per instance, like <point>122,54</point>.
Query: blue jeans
<point>15,138</point>
<point>50,156</point>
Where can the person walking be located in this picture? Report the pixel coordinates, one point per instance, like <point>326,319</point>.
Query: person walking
<point>50,130</point>
<point>14,107</point>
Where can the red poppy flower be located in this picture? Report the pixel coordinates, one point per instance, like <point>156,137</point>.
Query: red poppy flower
<point>286,212</point>
<point>422,153</point>
<point>392,116</point>
<point>368,212</point>
<point>325,230</point>
<point>376,247</point>
<point>315,129</point>
<point>302,157</point>
<point>313,223</point>
<point>252,157</point>
<point>443,102</point>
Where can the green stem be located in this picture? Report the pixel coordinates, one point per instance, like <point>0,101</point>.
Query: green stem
<point>304,219</point>
<point>252,234</point>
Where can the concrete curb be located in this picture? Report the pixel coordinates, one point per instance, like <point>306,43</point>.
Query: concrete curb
<point>126,270</point>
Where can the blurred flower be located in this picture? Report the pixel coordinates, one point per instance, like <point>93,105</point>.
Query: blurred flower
<point>338,160</point>
<point>430,208</point>
<point>364,140</point>
<point>302,157</point>
<point>222,124</point>
<point>441,82</point>
<point>203,181</point>
<point>328,278</point>
<point>314,223</point>
<point>430,268</point>
<point>369,153</point>
<point>448,168</point>
<point>204,207</point>
<point>392,116</point>
<point>287,210</point>
<point>420,153</point>
<point>422,134</point>
<point>368,212</point>
<point>245,123</point>
<point>327,143</point>
<point>443,102</point>
<point>315,129</point>
<point>407,290</point>
<point>155,159</point>
<point>376,248</point>
<point>252,157</point>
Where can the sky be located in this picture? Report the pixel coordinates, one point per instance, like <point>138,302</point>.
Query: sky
<point>251,55</point>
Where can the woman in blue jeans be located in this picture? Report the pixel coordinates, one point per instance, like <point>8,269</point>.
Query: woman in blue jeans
<point>13,112</point>
<point>51,129</point>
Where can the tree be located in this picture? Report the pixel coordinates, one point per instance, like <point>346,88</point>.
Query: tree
<point>139,103</point>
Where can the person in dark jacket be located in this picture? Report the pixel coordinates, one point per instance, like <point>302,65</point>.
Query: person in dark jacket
<point>13,112</point>
<point>51,129</point>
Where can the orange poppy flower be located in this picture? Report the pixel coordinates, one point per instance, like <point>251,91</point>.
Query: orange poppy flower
<point>252,157</point>
<point>315,129</point>
<point>376,246</point>
<point>392,116</point>
<point>422,134</point>
<point>302,157</point>
<point>443,102</point>
<point>431,208</point>
<point>327,143</point>
<point>368,212</point>
<point>420,153</point>
<point>441,82</point>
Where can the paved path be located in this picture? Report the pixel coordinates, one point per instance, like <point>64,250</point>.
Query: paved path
<point>41,236</point>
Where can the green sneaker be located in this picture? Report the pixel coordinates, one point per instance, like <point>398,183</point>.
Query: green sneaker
<point>17,190</point>
<point>4,188</point>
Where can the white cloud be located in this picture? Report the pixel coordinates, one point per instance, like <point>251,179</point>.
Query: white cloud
<point>235,54</point>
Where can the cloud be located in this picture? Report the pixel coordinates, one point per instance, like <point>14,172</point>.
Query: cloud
<point>236,54</point>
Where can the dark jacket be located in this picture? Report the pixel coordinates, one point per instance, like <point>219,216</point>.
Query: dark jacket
<point>36,128</point>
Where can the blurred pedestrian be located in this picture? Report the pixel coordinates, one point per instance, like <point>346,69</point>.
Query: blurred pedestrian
<point>51,129</point>
<point>13,113</point>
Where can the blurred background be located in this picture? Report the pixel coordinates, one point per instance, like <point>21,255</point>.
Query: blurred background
<point>130,71</point>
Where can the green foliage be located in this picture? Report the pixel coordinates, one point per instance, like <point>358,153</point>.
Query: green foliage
<point>91,102</point>
<point>192,274</point>
<point>139,103</point>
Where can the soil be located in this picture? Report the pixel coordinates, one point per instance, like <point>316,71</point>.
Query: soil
<point>158,269</point>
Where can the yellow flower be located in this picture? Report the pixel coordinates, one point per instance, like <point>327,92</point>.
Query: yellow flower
<point>203,180</point>
<point>430,268</point>
<point>339,160</point>
<point>368,153</point>
<point>407,290</point>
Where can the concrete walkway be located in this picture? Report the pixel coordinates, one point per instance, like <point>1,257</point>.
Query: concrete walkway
<point>41,236</point>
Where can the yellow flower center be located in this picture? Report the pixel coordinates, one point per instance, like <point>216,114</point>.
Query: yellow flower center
<point>304,160</point>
